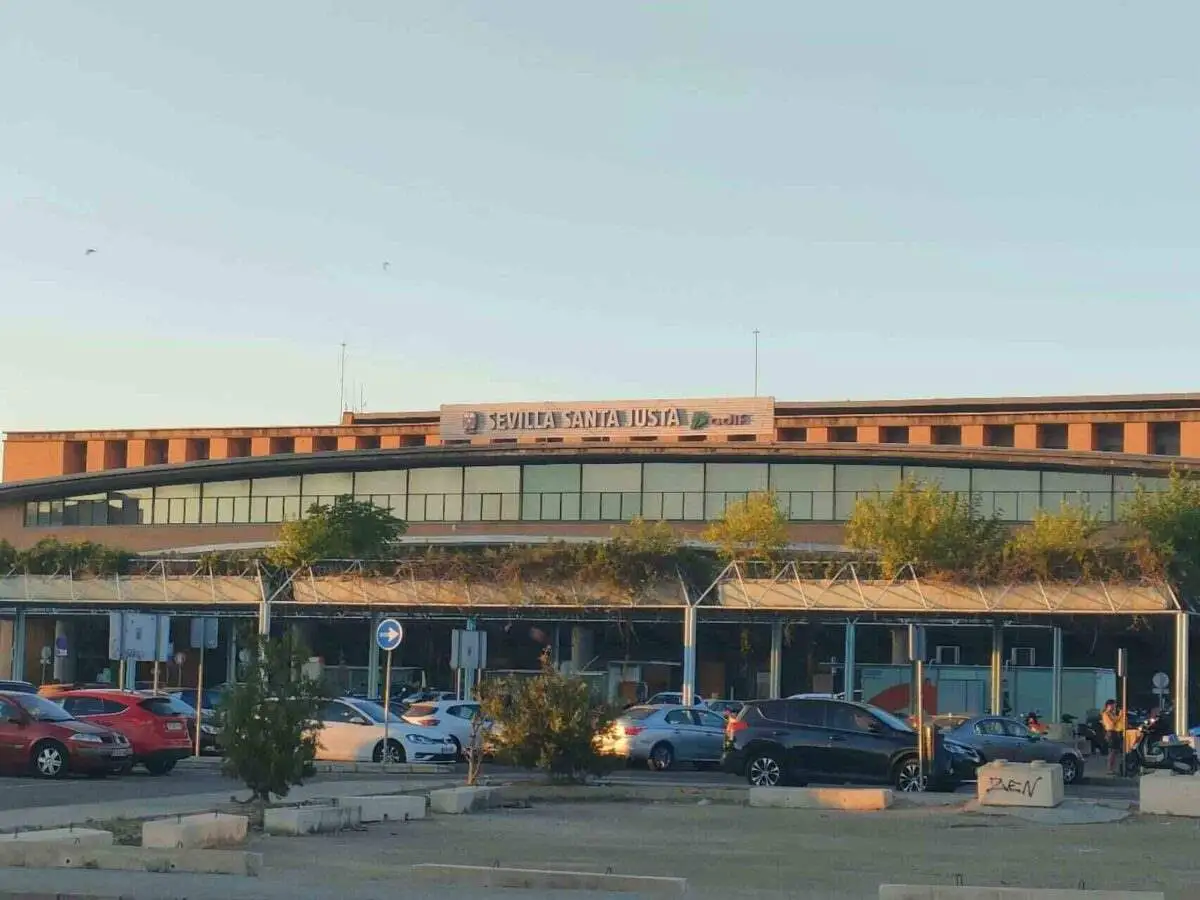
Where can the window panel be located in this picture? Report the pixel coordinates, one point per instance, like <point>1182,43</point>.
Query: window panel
<point>131,507</point>
<point>329,484</point>
<point>447,480</point>
<point>227,488</point>
<point>30,514</point>
<point>946,478</point>
<point>492,480</point>
<point>855,481</point>
<point>1012,495</point>
<point>1078,489</point>
<point>274,509</point>
<point>805,490</point>
<point>672,477</point>
<point>736,477</point>
<point>177,490</point>
<point>291,508</point>
<point>384,482</point>
<point>612,477</point>
<point>285,486</point>
<point>555,478</point>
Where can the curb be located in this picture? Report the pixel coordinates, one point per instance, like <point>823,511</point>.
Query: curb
<point>338,768</point>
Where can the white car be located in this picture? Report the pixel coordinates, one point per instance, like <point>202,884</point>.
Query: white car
<point>352,730</point>
<point>452,717</point>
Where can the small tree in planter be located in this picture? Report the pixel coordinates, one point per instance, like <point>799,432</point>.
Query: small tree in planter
<point>270,735</point>
<point>475,749</point>
<point>548,722</point>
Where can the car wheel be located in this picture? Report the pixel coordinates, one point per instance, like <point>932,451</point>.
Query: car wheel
<point>395,752</point>
<point>907,776</point>
<point>1070,768</point>
<point>662,757</point>
<point>49,760</point>
<point>764,771</point>
<point>160,766</point>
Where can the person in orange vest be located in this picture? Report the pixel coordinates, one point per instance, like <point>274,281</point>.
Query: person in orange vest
<point>1111,721</point>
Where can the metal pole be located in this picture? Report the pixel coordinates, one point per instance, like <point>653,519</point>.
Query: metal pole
<point>1181,674</point>
<point>121,674</point>
<point>373,661</point>
<point>755,362</point>
<point>387,711</point>
<point>1124,721</point>
<point>776,662</point>
<point>919,709</point>
<point>1056,676</point>
<point>997,679</point>
<point>689,654</point>
<point>18,646</point>
<point>850,651</point>
<point>199,692</point>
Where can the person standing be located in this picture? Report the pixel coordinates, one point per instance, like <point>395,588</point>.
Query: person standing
<point>1110,721</point>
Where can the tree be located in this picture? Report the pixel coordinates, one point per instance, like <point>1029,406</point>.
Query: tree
<point>269,733</point>
<point>1055,545</point>
<point>1168,522</point>
<point>547,722</point>
<point>934,530</point>
<point>750,529</point>
<point>349,529</point>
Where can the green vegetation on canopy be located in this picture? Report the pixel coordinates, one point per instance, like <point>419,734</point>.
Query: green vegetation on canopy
<point>348,529</point>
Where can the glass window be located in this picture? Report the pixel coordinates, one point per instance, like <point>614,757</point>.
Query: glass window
<point>612,478</point>
<point>611,492</point>
<point>332,484</point>
<point>285,486</point>
<point>673,491</point>
<point>492,480</point>
<point>30,515</point>
<point>1009,494</point>
<point>131,507</point>
<point>339,712</point>
<point>88,510</point>
<point>709,720</point>
<point>678,717</point>
<point>851,718</point>
<point>948,479</point>
<point>1088,490</point>
<point>553,477</point>
<point>805,491</point>
<point>1126,486</point>
<point>855,481</point>
<point>805,712</point>
<point>227,488</point>
<point>390,482</point>
<point>447,480</point>
<point>731,482</point>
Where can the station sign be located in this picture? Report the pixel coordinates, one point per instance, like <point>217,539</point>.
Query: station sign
<point>611,419</point>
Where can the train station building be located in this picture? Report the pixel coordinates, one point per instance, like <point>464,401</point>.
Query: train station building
<point>535,472</point>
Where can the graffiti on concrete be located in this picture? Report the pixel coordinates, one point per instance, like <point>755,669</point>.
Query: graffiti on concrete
<point>1025,787</point>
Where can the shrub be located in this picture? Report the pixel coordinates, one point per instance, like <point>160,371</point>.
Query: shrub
<point>270,737</point>
<point>548,722</point>
<point>750,529</point>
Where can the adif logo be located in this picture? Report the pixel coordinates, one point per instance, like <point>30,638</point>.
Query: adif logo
<point>700,419</point>
<point>470,422</point>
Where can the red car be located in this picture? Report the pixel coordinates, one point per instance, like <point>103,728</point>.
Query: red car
<point>156,725</point>
<point>39,736</point>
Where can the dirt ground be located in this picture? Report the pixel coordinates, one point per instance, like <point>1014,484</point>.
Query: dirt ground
<point>727,851</point>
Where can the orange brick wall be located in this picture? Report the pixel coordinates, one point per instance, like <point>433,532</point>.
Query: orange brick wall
<point>32,459</point>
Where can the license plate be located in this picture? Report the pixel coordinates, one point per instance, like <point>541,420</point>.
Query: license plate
<point>174,726</point>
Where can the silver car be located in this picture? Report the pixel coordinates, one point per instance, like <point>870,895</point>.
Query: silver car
<point>999,738</point>
<point>662,736</point>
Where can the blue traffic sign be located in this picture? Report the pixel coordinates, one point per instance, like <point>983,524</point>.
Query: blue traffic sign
<point>388,634</point>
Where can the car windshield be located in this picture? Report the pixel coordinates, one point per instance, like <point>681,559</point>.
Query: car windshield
<point>421,711</point>
<point>638,713</point>
<point>372,711</point>
<point>41,709</point>
<point>891,721</point>
<point>167,706</point>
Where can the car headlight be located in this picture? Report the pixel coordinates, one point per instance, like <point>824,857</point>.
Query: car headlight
<point>957,749</point>
<point>420,739</point>
<point>82,738</point>
<point>210,729</point>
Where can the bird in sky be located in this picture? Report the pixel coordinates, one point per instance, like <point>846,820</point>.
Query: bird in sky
<point>89,251</point>
<point>386,266</point>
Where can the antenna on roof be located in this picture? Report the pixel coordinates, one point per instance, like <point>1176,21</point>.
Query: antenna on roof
<point>342,382</point>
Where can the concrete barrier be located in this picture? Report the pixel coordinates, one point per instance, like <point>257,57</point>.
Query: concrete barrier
<point>81,837</point>
<point>1020,784</point>
<point>31,855</point>
<point>644,792</point>
<point>850,799</point>
<point>391,808</point>
<point>312,819</point>
<point>458,800</point>
<point>195,832</point>
<point>1163,794</point>
<point>929,892</point>
<point>492,878</point>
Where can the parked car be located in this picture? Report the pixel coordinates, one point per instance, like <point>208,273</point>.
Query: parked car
<point>210,698</point>
<point>451,717</point>
<point>156,725</point>
<point>17,687</point>
<point>997,737</point>
<point>774,742</point>
<point>352,730</point>
<point>210,725</point>
<point>40,736</point>
<point>662,736</point>
<point>54,690</point>
<point>672,698</point>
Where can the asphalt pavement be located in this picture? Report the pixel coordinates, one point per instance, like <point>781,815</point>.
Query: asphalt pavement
<point>205,778</point>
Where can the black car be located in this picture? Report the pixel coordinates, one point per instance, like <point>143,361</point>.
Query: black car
<point>18,687</point>
<point>777,742</point>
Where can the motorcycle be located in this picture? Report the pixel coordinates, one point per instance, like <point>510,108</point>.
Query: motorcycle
<point>1157,748</point>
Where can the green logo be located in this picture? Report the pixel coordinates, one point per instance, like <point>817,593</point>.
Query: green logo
<point>700,420</point>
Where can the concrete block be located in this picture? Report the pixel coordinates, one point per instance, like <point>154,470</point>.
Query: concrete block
<point>931,892</point>
<point>1164,794</point>
<point>851,799</point>
<point>395,808</point>
<point>1020,784</point>
<point>458,800</point>
<point>195,832</point>
<point>80,837</point>
<point>31,855</point>
<point>489,878</point>
<point>312,819</point>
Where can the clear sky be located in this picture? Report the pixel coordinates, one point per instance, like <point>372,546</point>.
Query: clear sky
<point>588,200</point>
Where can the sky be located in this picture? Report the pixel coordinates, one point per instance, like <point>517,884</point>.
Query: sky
<point>588,201</point>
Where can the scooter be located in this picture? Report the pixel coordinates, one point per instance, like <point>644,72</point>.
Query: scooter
<point>1157,748</point>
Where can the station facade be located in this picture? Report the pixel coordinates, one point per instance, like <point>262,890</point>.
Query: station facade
<point>529,472</point>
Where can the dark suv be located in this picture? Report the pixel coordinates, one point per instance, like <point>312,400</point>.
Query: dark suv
<point>775,742</point>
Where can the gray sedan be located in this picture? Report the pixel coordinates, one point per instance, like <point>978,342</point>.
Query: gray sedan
<point>662,736</point>
<point>997,738</point>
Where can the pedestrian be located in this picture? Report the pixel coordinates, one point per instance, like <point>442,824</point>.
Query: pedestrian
<point>1110,721</point>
